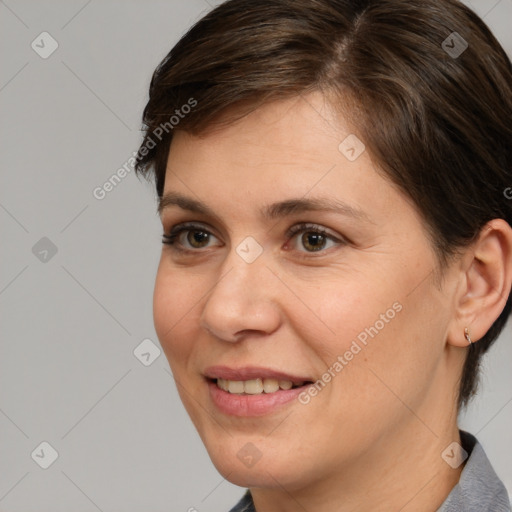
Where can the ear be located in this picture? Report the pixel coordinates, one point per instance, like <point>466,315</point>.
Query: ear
<point>486,281</point>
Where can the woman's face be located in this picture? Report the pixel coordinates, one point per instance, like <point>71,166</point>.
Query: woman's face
<point>355,309</point>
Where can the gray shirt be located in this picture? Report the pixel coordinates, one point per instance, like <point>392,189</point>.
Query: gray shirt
<point>479,488</point>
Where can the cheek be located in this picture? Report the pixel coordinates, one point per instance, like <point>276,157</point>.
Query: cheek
<point>375,323</point>
<point>174,313</point>
<point>390,355</point>
<point>339,310</point>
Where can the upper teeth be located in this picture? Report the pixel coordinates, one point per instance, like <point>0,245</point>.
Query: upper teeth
<point>254,386</point>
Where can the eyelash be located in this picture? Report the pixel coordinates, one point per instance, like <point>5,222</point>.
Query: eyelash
<point>176,231</point>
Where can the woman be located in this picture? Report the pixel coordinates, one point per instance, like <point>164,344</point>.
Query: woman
<point>337,246</point>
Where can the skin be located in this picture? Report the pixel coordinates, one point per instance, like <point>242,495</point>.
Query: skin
<point>372,438</point>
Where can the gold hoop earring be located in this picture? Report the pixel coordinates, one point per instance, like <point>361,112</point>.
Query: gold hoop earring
<point>466,335</point>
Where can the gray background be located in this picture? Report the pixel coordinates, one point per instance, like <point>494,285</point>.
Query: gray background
<point>70,323</point>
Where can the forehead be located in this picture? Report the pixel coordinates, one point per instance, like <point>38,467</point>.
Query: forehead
<point>293,130</point>
<point>277,139</point>
<point>283,151</point>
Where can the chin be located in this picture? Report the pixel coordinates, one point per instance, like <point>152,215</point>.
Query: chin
<point>242,467</point>
<point>249,477</point>
<point>260,475</point>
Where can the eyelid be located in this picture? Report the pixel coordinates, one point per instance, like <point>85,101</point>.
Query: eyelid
<point>199,226</point>
<point>309,226</point>
<point>301,227</point>
<point>178,229</point>
<point>305,227</point>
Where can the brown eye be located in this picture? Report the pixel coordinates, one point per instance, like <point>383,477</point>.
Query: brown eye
<point>190,237</point>
<point>309,238</point>
<point>197,239</point>
<point>313,241</point>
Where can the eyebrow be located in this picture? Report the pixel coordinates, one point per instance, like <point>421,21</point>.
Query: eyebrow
<point>270,212</point>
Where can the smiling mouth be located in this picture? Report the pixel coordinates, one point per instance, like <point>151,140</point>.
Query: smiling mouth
<point>257,386</point>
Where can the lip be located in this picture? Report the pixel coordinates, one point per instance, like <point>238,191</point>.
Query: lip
<point>251,372</point>
<point>251,405</point>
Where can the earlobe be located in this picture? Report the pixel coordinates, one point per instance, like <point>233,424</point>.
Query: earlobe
<point>462,337</point>
<point>487,275</point>
<point>467,335</point>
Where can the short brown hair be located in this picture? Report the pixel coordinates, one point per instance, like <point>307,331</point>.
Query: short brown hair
<point>438,123</point>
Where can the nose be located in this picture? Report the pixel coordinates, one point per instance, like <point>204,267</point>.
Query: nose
<point>242,301</point>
